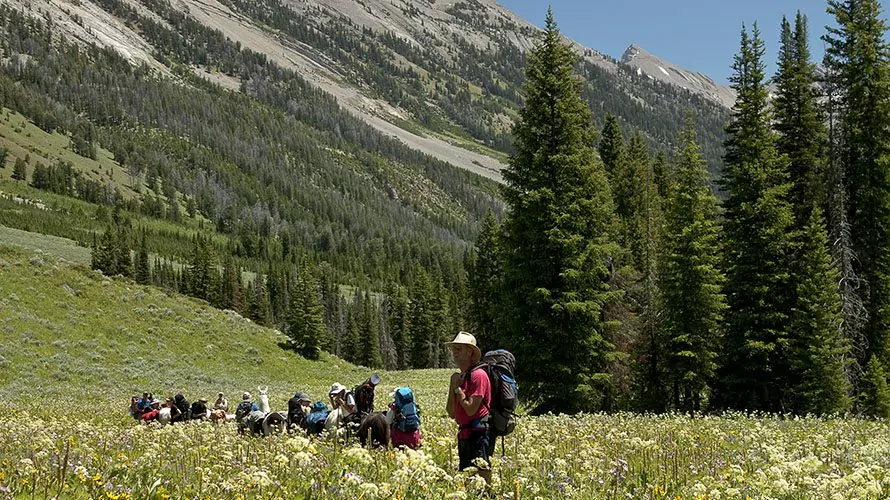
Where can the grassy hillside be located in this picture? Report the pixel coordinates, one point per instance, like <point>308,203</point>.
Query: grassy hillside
<point>75,344</point>
<point>65,329</point>
<point>22,138</point>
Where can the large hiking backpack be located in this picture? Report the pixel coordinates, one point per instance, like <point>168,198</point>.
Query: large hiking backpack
<point>406,416</point>
<point>242,410</point>
<point>316,418</point>
<point>296,417</point>
<point>499,365</point>
<point>185,410</point>
<point>364,395</point>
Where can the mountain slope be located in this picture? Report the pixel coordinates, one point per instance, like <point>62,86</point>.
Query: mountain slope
<point>75,333</point>
<point>658,69</point>
<point>443,77</point>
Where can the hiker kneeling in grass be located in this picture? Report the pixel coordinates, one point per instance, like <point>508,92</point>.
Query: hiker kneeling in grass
<point>403,418</point>
<point>469,398</point>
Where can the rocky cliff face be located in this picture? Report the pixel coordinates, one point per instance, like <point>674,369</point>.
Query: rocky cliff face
<point>656,68</point>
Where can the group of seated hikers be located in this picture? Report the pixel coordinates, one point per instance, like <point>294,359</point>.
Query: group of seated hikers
<point>173,409</point>
<point>351,412</point>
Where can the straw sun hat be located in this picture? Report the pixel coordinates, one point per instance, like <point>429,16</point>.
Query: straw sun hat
<point>466,338</point>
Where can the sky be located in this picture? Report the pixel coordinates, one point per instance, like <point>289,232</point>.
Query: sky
<point>699,35</point>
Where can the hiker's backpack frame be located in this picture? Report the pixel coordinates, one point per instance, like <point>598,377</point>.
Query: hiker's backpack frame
<point>364,399</point>
<point>408,415</point>
<point>316,418</point>
<point>499,365</point>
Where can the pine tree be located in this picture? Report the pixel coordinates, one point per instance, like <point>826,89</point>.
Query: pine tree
<point>620,169</point>
<point>485,286</point>
<point>230,286</point>
<point>423,325</point>
<point>19,170</point>
<point>201,275</point>
<point>556,238</point>
<point>662,178</point>
<point>258,308</point>
<point>648,225</point>
<point>611,148</point>
<point>857,60</point>
<point>400,326</point>
<point>111,254</point>
<point>644,217</point>
<point>369,340</point>
<point>691,280</point>
<point>388,327</point>
<point>142,271</point>
<point>352,340</point>
<point>875,392</point>
<point>438,355</point>
<point>332,300</point>
<point>758,244</point>
<point>818,348</point>
<point>801,128</point>
<point>305,318</point>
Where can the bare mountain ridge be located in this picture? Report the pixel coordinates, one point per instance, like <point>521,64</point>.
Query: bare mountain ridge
<point>434,26</point>
<point>658,69</point>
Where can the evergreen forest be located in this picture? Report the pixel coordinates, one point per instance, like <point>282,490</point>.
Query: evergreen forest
<point>606,261</point>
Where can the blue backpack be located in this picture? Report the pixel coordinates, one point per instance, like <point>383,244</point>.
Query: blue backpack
<point>317,415</point>
<point>406,419</point>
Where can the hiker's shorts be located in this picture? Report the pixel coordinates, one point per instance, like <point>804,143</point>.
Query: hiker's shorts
<point>479,445</point>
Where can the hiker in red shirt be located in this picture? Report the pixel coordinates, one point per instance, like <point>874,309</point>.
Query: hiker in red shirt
<point>469,398</point>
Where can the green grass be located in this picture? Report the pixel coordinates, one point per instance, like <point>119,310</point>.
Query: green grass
<point>59,247</point>
<point>66,329</point>
<point>22,138</point>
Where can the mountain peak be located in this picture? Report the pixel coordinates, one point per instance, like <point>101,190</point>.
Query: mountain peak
<point>632,51</point>
<point>656,68</point>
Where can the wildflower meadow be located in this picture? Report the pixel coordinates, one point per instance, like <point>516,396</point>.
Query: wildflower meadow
<point>58,453</point>
<point>75,345</point>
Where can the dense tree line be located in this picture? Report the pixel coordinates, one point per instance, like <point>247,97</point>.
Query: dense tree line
<point>625,286</point>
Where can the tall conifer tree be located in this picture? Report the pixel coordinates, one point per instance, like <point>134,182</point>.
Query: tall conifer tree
<point>801,127</point>
<point>648,226</point>
<point>141,269</point>
<point>691,280</point>
<point>818,351</point>
<point>758,244</point>
<point>230,285</point>
<point>857,60</point>
<point>611,147</point>
<point>556,239</point>
<point>423,325</point>
<point>485,284</point>
<point>644,216</point>
<point>258,308</point>
<point>399,325</point>
<point>662,177</point>
<point>305,316</point>
<point>369,352</point>
<point>201,275</point>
